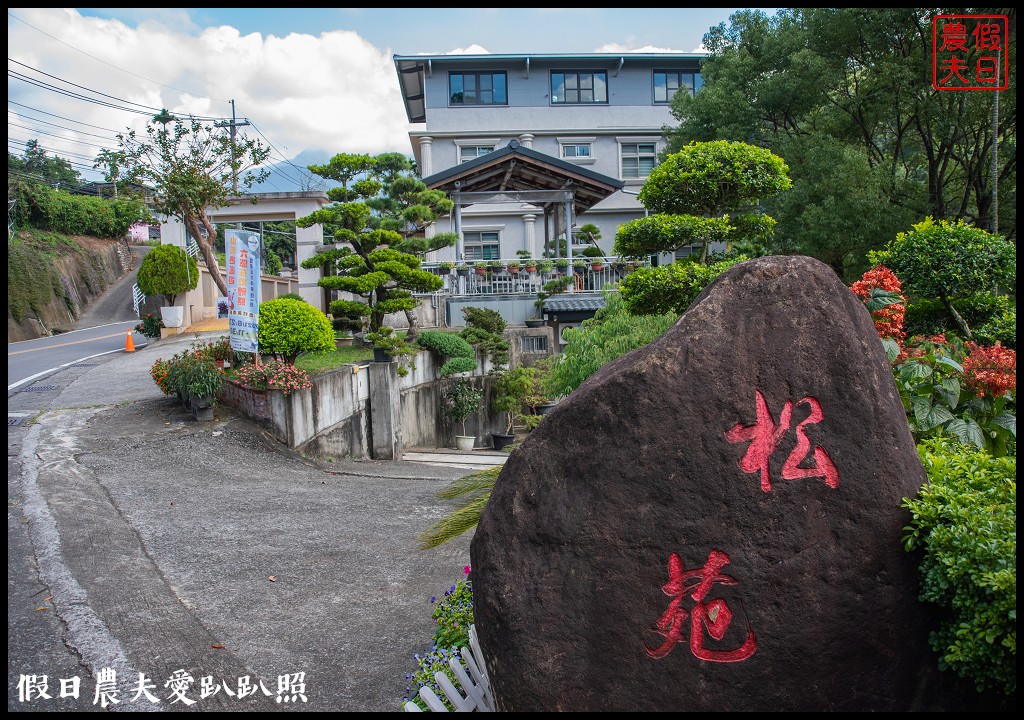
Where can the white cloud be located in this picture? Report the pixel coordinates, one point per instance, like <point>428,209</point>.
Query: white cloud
<point>331,93</point>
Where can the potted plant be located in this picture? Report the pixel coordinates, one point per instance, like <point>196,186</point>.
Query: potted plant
<point>579,266</point>
<point>551,287</point>
<point>513,266</point>
<point>168,270</point>
<point>220,351</point>
<point>445,268</point>
<point>462,270</point>
<point>545,266</point>
<point>530,265</point>
<point>461,399</point>
<point>389,346</point>
<point>511,388</point>
<point>198,379</point>
<point>562,264</point>
<point>480,268</point>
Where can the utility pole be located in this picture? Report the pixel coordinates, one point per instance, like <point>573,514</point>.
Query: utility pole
<point>232,125</point>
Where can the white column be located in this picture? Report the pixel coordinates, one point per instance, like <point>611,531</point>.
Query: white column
<point>530,231</point>
<point>426,156</point>
<point>306,241</point>
<point>526,140</point>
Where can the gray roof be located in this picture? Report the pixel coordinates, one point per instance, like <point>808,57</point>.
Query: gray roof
<point>574,303</point>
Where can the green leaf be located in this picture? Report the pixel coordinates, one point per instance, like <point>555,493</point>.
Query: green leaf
<point>949,389</point>
<point>1006,420</point>
<point>915,370</point>
<point>892,348</point>
<point>967,431</point>
<point>943,360</point>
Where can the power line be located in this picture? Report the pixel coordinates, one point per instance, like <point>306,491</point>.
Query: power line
<point>128,72</point>
<point>77,142</point>
<point>60,117</point>
<point>59,127</point>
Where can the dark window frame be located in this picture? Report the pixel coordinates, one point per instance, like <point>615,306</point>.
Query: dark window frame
<point>477,75</point>
<point>678,76</point>
<point>580,86</point>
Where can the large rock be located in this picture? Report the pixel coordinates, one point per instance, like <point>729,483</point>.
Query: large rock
<point>713,522</point>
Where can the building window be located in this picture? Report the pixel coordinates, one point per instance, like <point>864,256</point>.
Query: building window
<point>472,152</point>
<point>574,88</point>
<point>686,251</point>
<point>533,344</point>
<point>481,245</point>
<point>638,159</point>
<point>667,82</point>
<point>575,151</point>
<point>477,88</point>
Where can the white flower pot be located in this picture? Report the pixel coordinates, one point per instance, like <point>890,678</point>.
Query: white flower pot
<point>465,442</point>
<point>173,316</point>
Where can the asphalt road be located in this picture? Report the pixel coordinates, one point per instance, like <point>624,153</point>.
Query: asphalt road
<point>142,541</point>
<point>102,329</point>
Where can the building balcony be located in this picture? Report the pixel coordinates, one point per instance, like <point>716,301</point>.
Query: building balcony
<point>494,277</point>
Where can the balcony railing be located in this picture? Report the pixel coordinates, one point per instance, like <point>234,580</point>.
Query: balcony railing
<point>493,277</point>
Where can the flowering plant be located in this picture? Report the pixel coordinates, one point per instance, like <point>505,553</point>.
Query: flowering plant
<point>881,291</point>
<point>274,375</point>
<point>453,615</point>
<point>160,372</point>
<point>150,325</point>
<point>968,392</point>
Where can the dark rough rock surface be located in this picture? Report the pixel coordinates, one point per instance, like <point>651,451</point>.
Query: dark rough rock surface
<point>653,463</point>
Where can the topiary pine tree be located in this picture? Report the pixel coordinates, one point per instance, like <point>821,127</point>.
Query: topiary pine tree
<point>702,194</point>
<point>379,211</point>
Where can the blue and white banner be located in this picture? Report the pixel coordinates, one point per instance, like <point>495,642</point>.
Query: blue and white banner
<point>243,281</point>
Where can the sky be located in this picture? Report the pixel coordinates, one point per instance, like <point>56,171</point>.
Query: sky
<point>311,83</point>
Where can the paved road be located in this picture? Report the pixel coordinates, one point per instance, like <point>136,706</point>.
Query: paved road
<point>102,329</point>
<point>144,542</point>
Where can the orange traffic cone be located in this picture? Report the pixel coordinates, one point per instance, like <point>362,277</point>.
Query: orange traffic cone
<point>129,344</point>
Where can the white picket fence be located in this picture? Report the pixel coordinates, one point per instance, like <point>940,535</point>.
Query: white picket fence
<point>473,692</point>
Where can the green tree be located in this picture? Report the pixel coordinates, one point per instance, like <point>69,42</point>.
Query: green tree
<point>365,261</point>
<point>844,95</point>
<point>193,167</point>
<point>39,167</point>
<point>950,261</point>
<point>167,270</point>
<point>706,192</point>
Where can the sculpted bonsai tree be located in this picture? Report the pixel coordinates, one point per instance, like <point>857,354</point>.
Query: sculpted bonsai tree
<point>193,167</point>
<point>702,194</point>
<point>376,222</point>
<point>167,270</point>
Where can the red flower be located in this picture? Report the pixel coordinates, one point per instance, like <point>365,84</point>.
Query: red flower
<point>990,370</point>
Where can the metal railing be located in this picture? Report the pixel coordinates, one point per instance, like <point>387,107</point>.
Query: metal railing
<point>138,297</point>
<point>493,277</point>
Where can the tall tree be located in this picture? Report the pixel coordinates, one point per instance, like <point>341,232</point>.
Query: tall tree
<point>375,221</point>
<point>845,96</point>
<point>193,168</point>
<point>54,171</point>
<point>398,210</point>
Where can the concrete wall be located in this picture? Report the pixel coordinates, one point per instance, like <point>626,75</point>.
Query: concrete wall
<point>368,410</point>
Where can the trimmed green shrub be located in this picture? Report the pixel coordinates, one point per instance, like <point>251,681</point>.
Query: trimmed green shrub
<point>458,354</point>
<point>991,318</point>
<point>484,328</point>
<point>167,270</point>
<point>965,521</point>
<point>670,288</point>
<point>47,209</point>
<point>947,261</point>
<point>290,327</point>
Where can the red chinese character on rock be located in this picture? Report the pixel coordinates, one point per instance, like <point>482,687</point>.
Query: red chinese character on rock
<point>714,616</point>
<point>764,436</point>
<point>954,36</point>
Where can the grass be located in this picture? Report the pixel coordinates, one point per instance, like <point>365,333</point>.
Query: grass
<point>314,363</point>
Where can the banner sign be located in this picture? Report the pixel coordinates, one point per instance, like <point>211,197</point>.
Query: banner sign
<point>243,281</point>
